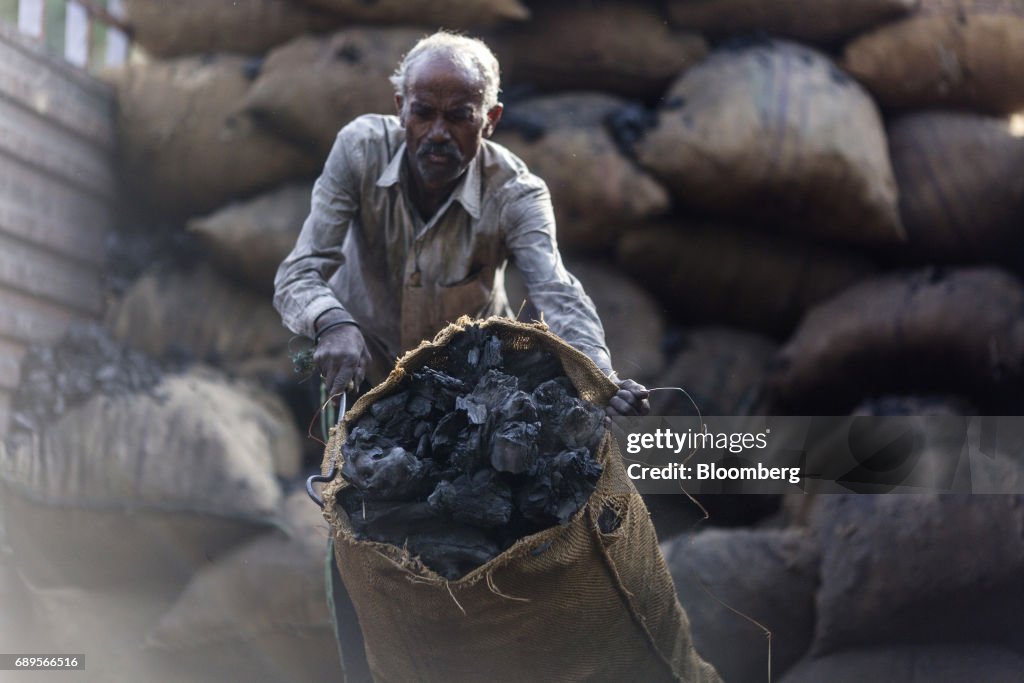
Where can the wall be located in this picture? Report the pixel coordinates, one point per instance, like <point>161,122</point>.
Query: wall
<point>56,195</point>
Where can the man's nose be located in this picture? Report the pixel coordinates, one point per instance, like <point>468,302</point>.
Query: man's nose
<point>439,130</point>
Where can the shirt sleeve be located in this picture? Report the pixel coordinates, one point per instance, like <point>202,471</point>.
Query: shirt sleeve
<point>529,224</point>
<point>301,290</point>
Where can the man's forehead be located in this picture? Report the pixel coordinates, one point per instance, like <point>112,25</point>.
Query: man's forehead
<point>444,75</point>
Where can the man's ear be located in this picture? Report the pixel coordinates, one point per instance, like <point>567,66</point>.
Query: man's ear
<point>493,116</point>
<point>398,107</point>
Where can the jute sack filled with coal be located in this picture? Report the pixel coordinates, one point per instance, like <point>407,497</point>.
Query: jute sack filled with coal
<point>721,369</point>
<point>181,151</point>
<point>716,273</point>
<point>896,569</point>
<point>961,179</point>
<point>768,575</point>
<point>811,21</point>
<point>595,188</point>
<point>776,130</point>
<point>959,53</point>
<point>890,333</point>
<point>259,613</point>
<point>634,325</point>
<point>590,598</point>
<point>944,663</point>
<point>250,238</point>
<point>452,14</point>
<point>639,55</point>
<point>311,87</point>
<point>168,29</point>
<point>198,314</point>
<point>141,489</point>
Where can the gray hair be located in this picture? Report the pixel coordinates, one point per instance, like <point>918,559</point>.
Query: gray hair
<point>470,52</point>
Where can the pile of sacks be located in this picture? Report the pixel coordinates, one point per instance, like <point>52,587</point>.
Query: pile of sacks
<point>872,588</point>
<point>767,202</point>
<point>146,508</point>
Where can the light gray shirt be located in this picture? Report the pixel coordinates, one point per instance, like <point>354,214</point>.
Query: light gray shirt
<point>365,250</point>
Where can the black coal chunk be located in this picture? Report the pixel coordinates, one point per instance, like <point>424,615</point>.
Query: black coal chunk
<point>466,457</point>
<point>481,499</point>
<point>558,487</point>
<point>514,447</point>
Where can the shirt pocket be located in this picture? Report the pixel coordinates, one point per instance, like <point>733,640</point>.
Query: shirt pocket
<point>466,296</point>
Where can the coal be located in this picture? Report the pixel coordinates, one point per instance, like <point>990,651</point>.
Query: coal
<point>481,499</point>
<point>462,461</point>
<point>85,361</point>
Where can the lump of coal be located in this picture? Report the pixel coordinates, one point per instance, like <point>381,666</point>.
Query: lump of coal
<point>453,552</point>
<point>481,499</point>
<point>380,468</point>
<point>492,391</point>
<point>533,367</point>
<point>514,447</point>
<point>558,487</point>
<point>465,459</point>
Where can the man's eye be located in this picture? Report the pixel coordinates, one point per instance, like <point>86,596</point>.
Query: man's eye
<point>421,112</point>
<point>461,115</point>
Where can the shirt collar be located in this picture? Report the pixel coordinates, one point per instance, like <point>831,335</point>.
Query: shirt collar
<point>467,192</point>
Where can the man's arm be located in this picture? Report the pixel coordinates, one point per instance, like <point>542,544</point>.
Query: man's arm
<point>302,295</point>
<point>529,224</point>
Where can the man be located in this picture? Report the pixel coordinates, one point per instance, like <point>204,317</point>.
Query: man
<point>413,220</point>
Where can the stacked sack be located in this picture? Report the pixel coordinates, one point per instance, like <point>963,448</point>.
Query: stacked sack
<point>772,205</point>
<point>886,147</point>
<point>152,500</point>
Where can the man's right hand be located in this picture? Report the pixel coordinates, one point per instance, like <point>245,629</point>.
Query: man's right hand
<point>342,357</point>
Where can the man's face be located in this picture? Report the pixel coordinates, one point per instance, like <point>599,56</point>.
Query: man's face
<point>444,120</point>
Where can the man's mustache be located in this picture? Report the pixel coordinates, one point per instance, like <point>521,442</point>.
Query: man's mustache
<point>446,149</point>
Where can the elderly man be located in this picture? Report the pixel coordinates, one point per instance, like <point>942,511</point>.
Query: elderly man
<point>413,221</point>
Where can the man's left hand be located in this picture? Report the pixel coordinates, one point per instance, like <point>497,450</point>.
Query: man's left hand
<point>630,401</point>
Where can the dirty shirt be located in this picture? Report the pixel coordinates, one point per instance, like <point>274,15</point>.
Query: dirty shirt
<point>365,249</point>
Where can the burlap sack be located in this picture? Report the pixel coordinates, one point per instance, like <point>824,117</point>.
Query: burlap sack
<point>721,369</point>
<point>450,14</point>
<point>17,623</point>
<point>311,87</point>
<point>715,273</point>
<point>258,614</point>
<point>567,604</point>
<point>595,189</point>
<point>250,238</point>
<point>960,53</point>
<point>961,180</point>
<point>897,569</point>
<point>810,21</point>
<point>610,47</point>
<point>106,624</point>
<point>181,151</point>
<point>634,325</point>
<point>199,314</point>
<point>776,130</point>
<point>945,663</point>
<point>768,575</point>
<point>140,490</point>
<point>892,333</point>
<point>168,29</point>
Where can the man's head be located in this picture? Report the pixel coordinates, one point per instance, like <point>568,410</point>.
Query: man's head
<point>446,91</point>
